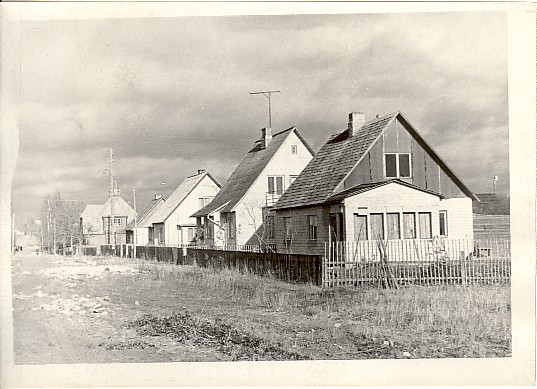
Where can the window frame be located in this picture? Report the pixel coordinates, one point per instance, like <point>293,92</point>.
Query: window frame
<point>444,224</point>
<point>312,227</point>
<point>288,228</point>
<point>294,149</point>
<point>397,165</point>
<point>414,232</point>
<point>275,184</point>
<point>383,225</point>
<point>269,226</point>
<point>430,230</point>
<point>365,224</point>
<point>397,225</point>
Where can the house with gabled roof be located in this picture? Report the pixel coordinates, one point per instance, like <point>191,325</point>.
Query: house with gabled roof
<point>236,216</point>
<point>171,224</point>
<point>95,222</point>
<point>141,229</point>
<point>375,180</point>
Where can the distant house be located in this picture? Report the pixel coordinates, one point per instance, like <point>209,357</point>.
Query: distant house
<point>374,180</point>
<point>142,233</point>
<point>95,222</point>
<point>492,216</point>
<point>236,215</point>
<point>171,223</point>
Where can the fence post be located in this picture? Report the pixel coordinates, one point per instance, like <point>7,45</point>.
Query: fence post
<point>463,268</point>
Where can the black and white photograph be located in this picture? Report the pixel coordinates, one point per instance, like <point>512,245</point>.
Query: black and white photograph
<point>315,187</point>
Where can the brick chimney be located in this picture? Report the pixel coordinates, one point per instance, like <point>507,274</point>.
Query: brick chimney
<point>356,121</point>
<point>158,196</point>
<point>201,171</point>
<point>266,137</point>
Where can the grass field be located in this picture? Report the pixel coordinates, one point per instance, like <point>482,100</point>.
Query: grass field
<point>162,312</point>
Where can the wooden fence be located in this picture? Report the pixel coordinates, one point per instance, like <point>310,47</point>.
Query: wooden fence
<point>425,262</point>
<point>288,267</point>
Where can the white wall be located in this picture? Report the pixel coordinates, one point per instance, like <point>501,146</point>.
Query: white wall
<point>191,204</point>
<point>460,218</point>
<point>398,198</point>
<point>282,163</point>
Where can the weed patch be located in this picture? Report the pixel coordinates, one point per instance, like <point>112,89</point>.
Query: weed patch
<point>221,336</point>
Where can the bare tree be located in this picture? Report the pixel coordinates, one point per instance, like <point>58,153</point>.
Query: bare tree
<point>61,221</point>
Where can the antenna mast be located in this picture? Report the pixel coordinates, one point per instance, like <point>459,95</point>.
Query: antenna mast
<point>267,95</point>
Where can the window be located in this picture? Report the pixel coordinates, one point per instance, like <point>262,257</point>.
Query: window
<point>275,185</point>
<point>409,225</point>
<point>288,228</point>
<point>269,226</point>
<point>443,223</point>
<point>425,225</point>
<point>292,179</point>
<point>312,227</point>
<point>190,234</point>
<point>360,227</point>
<point>397,165</point>
<point>205,200</point>
<point>231,230</point>
<point>377,226</point>
<point>210,227</point>
<point>117,221</point>
<point>392,226</point>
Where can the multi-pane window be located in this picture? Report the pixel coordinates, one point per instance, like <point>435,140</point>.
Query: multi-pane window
<point>204,201</point>
<point>425,225</point>
<point>269,226</point>
<point>117,221</point>
<point>443,223</point>
<point>392,226</point>
<point>275,185</point>
<point>288,228</point>
<point>397,165</point>
<point>360,227</point>
<point>294,149</point>
<point>377,226</point>
<point>409,225</point>
<point>312,227</point>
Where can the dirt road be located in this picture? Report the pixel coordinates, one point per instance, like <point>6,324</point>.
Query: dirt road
<point>73,310</point>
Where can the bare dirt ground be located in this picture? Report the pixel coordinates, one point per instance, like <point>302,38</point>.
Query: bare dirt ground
<point>99,310</point>
<point>72,310</point>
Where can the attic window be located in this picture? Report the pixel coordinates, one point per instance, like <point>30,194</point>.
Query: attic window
<point>294,149</point>
<point>397,165</point>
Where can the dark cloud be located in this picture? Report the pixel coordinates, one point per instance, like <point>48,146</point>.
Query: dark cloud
<point>170,95</point>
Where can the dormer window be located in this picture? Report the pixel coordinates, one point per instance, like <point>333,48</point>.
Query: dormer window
<point>397,165</point>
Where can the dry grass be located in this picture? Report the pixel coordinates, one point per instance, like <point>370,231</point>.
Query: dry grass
<point>413,322</point>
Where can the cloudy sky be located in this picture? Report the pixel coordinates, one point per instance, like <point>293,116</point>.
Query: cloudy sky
<point>171,95</point>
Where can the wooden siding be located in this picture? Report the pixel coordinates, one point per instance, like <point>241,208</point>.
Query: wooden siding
<point>426,173</point>
<point>492,226</point>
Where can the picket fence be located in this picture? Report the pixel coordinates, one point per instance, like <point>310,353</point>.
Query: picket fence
<point>425,262</point>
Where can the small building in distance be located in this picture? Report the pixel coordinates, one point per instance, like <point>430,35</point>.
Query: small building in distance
<point>142,233</point>
<point>492,216</point>
<point>376,180</point>
<point>95,222</point>
<point>171,224</point>
<point>237,214</point>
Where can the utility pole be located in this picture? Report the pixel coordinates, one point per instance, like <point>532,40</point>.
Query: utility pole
<point>267,95</point>
<point>49,236</point>
<point>111,229</point>
<point>135,219</point>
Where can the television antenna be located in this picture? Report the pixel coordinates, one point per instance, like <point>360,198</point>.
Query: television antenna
<point>267,95</point>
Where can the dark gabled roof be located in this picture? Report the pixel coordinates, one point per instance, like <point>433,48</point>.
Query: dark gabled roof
<point>247,173</point>
<point>331,165</point>
<point>339,156</point>
<point>178,196</point>
<point>147,211</point>
<point>361,188</point>
<point>491,204</point>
